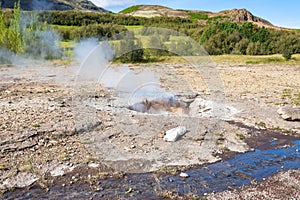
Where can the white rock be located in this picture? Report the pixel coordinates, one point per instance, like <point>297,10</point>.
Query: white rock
<point>184,175</point>
<point>93,165</point>
<point>61,169</point>
<point>173,134</point>
<point>21,180</point>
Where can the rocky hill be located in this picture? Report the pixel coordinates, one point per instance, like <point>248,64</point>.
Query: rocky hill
<point>153,11</point>
<point>241,15</point>
<point>235,15</point>
<point>83,5</point>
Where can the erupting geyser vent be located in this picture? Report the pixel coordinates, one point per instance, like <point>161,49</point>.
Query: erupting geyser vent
<point>161,105</point>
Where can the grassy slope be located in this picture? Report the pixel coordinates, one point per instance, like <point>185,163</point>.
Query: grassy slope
<point>129,9</point>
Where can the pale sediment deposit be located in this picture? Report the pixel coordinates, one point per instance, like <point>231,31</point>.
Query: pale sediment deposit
<point>39,136</point>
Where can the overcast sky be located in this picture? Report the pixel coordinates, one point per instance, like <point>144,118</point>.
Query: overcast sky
<point>278,12</point>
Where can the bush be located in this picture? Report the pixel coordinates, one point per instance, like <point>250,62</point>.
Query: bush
<point>130,49</point>
<point>287,54</point>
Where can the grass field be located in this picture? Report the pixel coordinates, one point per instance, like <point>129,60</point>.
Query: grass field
<point>236,59</point>
<point>133,27</point>
<point>63,27</point>
<point>264,59</point>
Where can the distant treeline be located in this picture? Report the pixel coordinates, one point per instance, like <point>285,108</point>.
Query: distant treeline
<point>216,37</point>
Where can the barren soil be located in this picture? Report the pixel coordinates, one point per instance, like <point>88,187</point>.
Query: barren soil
<point>40,141</point>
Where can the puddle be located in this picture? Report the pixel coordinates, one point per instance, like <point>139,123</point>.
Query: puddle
<point>234,172</point>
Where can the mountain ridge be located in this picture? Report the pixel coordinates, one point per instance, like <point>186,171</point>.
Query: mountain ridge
<point>61,5</point>
<point>148,11</point>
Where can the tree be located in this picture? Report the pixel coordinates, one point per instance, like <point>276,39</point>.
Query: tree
<point>3,29</point>
<point>157,46</point>
<point>287,53</point>
<point>14,32</point>
<point>10,36</point>
<point>241,46</point>
<point>251,49</point>
<point>131,50</point>
<point>255,48</point>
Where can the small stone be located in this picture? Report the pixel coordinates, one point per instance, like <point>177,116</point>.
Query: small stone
<point>93,165</point>
<point>132,146</point>
<point>199,138</point>
<point>60,170</point>
<point>184,175</point>
<point>173,134</point>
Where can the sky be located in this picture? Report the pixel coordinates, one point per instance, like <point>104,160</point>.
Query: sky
<point>284,13</point>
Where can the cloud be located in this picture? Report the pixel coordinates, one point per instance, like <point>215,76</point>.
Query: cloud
<point>112,3</point>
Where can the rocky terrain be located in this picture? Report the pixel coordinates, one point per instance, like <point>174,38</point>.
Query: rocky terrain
<point>41,145</point>
<point>242,15</point>
<point>284,185</point>
<point>84,5</point>
<point>234,15</point>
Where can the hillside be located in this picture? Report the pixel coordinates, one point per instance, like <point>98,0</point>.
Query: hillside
<point>83,5</point>
<point>234,15</point>
<point>153,11</point>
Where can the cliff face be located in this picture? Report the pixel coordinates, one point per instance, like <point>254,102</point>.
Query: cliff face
<point>243,15</point>
<point>84,5</point>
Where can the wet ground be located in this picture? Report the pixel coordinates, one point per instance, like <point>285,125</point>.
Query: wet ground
<point>273,155</point>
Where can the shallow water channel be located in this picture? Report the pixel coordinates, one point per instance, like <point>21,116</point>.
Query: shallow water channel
<point>237,171</point>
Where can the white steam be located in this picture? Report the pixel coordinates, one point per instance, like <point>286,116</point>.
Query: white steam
<point>135,87</point>
<point>94,58</point>
<point>40,42</point>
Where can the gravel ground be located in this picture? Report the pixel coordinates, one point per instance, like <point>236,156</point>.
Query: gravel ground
<point>39,138</point>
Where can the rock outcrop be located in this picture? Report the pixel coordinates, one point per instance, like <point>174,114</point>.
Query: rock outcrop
<point>242,15</point>
<point>290,113</point>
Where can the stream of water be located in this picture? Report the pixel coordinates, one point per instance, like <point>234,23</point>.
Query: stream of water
<point>231,173</point>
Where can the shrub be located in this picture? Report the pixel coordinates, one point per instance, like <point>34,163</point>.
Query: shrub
<point>287,53</point>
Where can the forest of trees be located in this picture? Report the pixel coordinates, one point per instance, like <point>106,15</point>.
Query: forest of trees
<point>217,37</point>
<point>248,39</point>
